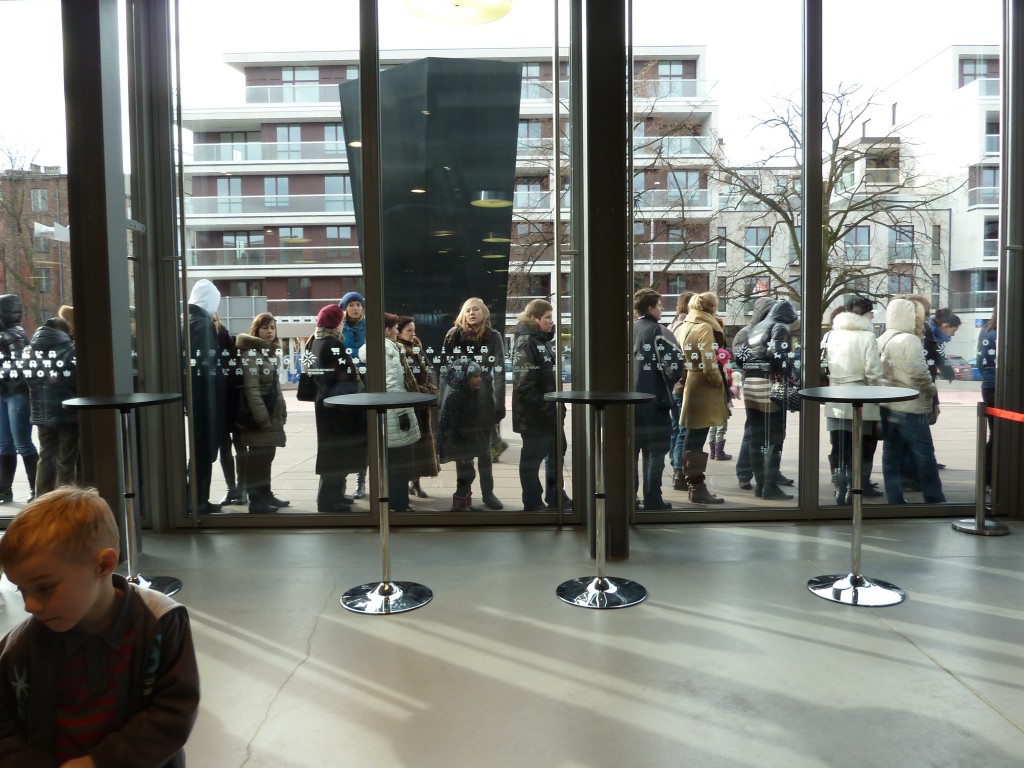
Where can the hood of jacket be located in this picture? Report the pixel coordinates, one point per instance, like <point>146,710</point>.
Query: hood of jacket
<point>761,309</point>
<point>782,311</point>
<point>247,341</point>
<point>46,338</point>
<point>10,309</point>
<point>851,321</point>
<point>901,315</point>
<point>205,296</point>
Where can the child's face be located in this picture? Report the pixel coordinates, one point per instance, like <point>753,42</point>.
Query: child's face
<point>473,382</point>
<point>66,594</point>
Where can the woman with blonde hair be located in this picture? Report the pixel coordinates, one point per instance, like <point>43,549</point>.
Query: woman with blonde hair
<point>471,340</point>
<point>704,396</point>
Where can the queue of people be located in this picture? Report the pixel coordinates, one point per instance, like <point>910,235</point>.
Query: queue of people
<point>689,368</point>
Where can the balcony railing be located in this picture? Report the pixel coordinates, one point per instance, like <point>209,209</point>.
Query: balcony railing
<point>990,250</point>
<point>310,93</point>
<point>965,301</point>
<point>257,256</point>
<point>669,88</point>
<point>543,89</point>
<point>988,86</point>
<point>858,252</point>
<point>992,144</point>
<point>739,201</point>
<point>256,151</point>
<point>982,196</point>
<point>653,199</point>
<point>889,176</point>
<point>268,204</point>
<point>674,146</point>
<point>901,253</point>
<point>535,147</point>
<point>644,253</point>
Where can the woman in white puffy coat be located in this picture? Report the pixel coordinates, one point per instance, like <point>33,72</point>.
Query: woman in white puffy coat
<point>403,429</point>
<point>850,350</point>
<point>905,424</point>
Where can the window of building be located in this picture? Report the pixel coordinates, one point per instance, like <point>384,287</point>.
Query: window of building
<point>677,69</point>
<point>530,129</point>
<point>337,239</point>
<point>990,233</point>
<point>289,138</point>
<point>721,288</point>
<point>860,285</point>
<point>275,191</point>
<point>858,244</point>
<point>40,245</point>
<point>901,242</point>
<point>338,191</point>
<point>236,146</point>
<point>334,139</point>
<point>979,68</point>
<point>992,133</point>
<point>901,283</point>
<point>721,250</point>
<point>243,247</point>
<point>300,84</point>
<point>40,201</point>
<point>229,195</point>
<point>531,70</point>
<point>936,290</point>
<point>293,240</point>
<point>44,283</point>
<point>246,288</point>
<point>755,240</point>
<point>936,243</point>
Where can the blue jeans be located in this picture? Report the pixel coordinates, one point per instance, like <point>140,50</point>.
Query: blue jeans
<point>908,434</point>
<point>678,433</point>
<point>15,427</point>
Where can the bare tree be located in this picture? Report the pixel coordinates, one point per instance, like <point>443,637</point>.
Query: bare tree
<point>870,186</point>
<point>16,230</point>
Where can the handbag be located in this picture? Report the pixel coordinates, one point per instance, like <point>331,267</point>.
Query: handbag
<point>307,389</point>
<point>825,373</point>
<point>244,417</point>
<point>785,396</point>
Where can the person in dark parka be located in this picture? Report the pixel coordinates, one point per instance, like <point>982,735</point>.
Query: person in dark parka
<point>50,373</point>
<point>209,388</point>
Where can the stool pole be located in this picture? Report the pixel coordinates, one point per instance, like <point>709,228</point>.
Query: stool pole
<point>857,492</point>
<point>599,494</point>
<point>382,498</point>
<point>129,497</point>
<point>979,525</point>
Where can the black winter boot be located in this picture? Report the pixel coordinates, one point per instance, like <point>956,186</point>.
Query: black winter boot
<point>771,490</point>
<point>260,504</point>
<point>678,480</point>
<point>360,486</point>
<point>31,461</point>
<point>7,466</point>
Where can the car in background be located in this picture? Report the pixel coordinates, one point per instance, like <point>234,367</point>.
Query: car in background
<point>961,368</point>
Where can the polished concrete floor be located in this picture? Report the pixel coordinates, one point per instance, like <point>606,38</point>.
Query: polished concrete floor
<point>730,662</point>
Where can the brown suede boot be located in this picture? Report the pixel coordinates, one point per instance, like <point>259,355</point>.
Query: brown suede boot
<point>695,464</point>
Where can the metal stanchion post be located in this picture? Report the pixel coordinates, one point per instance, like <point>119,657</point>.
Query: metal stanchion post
<point>979,526</point>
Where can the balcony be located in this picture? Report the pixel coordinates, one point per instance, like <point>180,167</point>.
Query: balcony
<point>256,256</point>
<point>970,301</point>
<point>262,151</point>
<point>307,93</point>
<point>740,201</point>
<point>992,144</point>
<point>862,252</point>
<point>669,88</point>
<point>989,86</point>
<point>902,253</point>
<point>535,147</point>
<point>543,89</point>
<point>982,196</point>
<point>531,200</point>
<point>673,146</point>
<point>268,205</point>
<point>883,176</point>
<point>645,253</point>
<point>663,199</point>
<point>990,250</point>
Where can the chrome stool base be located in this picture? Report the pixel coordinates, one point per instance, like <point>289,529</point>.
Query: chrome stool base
<point>598,592</point>
<point>380,597</point>
<point>987,528</point>
<point>856,590</point>
<point>167,585</point>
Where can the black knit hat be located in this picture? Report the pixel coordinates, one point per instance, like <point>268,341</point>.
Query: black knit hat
<point>859,305</point>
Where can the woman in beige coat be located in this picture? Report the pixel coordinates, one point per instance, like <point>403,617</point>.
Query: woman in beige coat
<point>259,359</point>
<point>704,399</point>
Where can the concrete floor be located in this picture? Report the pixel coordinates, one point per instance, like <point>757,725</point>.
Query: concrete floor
<point>730,662</point>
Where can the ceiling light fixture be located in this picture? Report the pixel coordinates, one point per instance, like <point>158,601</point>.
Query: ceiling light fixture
<point>490,198</point>
<point>460,11</point>
<point>492,256</point>
<point>494,237</point>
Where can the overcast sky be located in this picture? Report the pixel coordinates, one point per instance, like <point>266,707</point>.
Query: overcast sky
<point>752,48</point>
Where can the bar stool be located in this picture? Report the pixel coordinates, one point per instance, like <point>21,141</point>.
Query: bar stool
<point>384,596</point>
<point>600,591</point>
<point>127,404</point>
<point>854,588</point>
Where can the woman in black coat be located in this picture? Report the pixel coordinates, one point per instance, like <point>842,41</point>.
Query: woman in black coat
<point>51,380</point>
<point>341,442</point>
<point>533,417</point>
